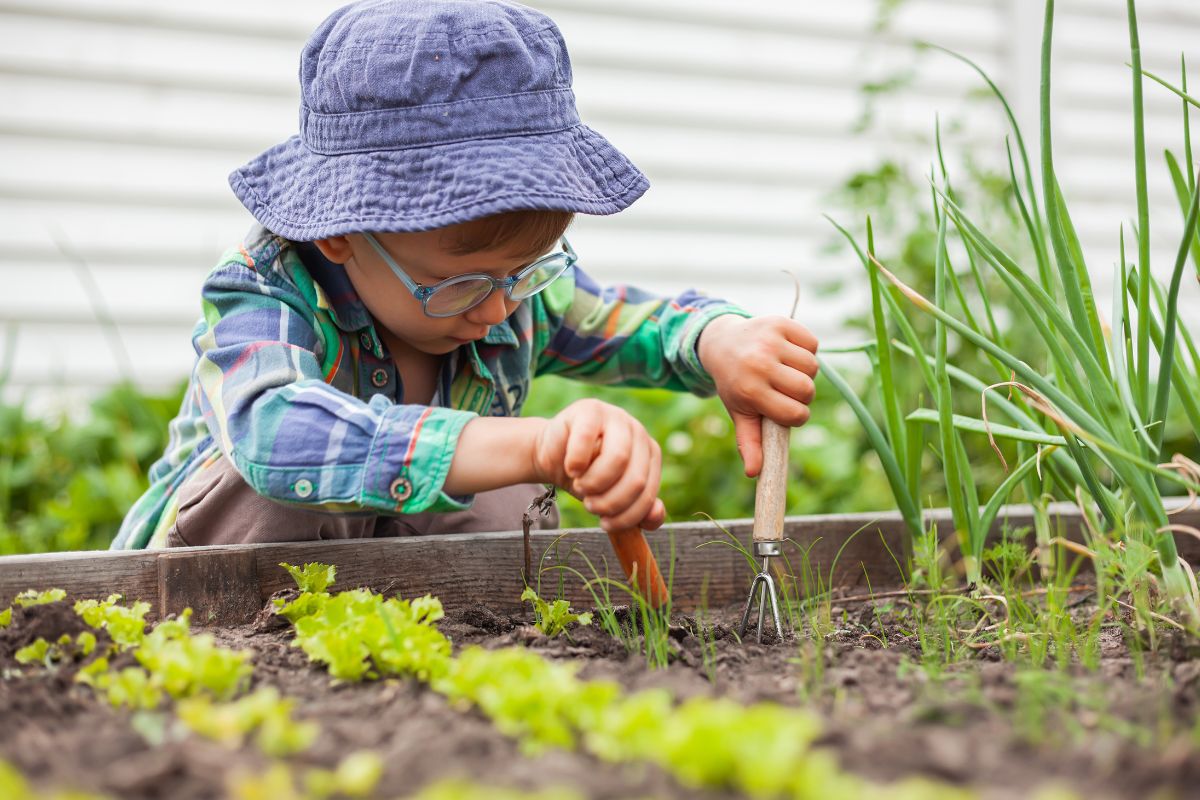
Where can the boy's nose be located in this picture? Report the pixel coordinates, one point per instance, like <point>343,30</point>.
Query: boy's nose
<point>491,311</point>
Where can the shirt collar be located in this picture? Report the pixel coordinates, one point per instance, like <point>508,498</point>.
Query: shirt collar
<point>347,309</point>
<point>502,334</point>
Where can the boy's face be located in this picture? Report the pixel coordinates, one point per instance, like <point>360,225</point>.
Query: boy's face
<point>424,258</point>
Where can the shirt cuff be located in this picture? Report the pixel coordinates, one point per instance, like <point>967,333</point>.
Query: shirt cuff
<point>409,461</point>
<point>692,372</point>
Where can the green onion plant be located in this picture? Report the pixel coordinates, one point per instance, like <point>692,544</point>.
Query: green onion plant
<point>1087,412</point>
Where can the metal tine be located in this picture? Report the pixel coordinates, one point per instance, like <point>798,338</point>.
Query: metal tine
<point>764,585</point>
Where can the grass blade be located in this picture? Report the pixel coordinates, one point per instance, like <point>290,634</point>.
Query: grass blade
<point>887,383</point>
<point>1120,328</point>
<point>1187,128</point>
<point>1183,95</point>
<point>1048,319</point>
<point>1182,193</point>
<point>1172,311</point>
<point>1057,220</point>
<point>973,425</point>
<point>1143,212</point>
<point>1016,129</point>
<point>1036,237</point>
<point>1001,495</point>
<point>887,456</point>
<point>951,446</point>
<point>1186,384</point>
<point>1059,461</point>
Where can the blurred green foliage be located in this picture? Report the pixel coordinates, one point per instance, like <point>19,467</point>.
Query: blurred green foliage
<point>66,483</point>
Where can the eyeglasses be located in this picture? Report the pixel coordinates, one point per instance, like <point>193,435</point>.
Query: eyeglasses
<point>463,292</point>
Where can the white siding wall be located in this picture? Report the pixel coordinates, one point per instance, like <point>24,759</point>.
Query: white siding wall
<point>120,120</point>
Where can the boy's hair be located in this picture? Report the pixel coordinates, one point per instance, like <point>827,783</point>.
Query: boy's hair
<point>524,233</point>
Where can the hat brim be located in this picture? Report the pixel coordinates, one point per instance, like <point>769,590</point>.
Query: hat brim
<point>304,195</point>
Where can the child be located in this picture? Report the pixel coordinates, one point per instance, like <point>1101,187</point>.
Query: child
<point>364,355</point>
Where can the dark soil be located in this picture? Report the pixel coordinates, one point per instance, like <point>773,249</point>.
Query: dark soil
<point>1001,729</point>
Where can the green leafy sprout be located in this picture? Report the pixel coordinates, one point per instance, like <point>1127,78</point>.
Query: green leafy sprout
<point>29,597</point>
<point>555,617</point>
<point>704,742</point>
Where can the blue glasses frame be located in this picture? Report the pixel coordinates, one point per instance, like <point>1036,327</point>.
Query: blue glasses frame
<point>561,259</point>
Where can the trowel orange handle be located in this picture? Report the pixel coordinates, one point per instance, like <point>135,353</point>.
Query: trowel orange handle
<point>633,551</point>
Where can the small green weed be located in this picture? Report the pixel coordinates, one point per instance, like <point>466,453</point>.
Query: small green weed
<point>553,618</point>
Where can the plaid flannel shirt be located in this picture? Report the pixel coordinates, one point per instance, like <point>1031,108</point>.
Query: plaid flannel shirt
<point>293,384</point>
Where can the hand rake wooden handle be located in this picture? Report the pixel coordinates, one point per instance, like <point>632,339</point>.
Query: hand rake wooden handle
<point>633,551</point>
<point>770,496</point>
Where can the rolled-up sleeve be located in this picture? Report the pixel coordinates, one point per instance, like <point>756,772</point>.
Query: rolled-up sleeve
<point>295,438</point>
<point>624,335</point>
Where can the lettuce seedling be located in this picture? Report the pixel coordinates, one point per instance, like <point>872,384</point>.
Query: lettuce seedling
<point>126,625</point>
<point>356,775</point>
<point>527,697</point>
<point>6,617</point>
<point>29,597</point>
<point>48,652</point>
<point>305,605</point>
<point>553,618</point>
<point>312,581</point>
<point>131,687</point>
<point>264,712</point>
<point>37,650</point>
<point>184,665</point>
<point>314,578</point>
<point>358,634</point>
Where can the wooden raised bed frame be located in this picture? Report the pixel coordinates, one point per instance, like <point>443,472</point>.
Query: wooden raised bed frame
<point>228,585</point>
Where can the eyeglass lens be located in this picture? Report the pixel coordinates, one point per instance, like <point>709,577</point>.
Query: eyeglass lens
<point>465,295</point>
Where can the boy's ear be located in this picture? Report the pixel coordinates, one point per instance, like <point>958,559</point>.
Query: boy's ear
<point>336,248</point>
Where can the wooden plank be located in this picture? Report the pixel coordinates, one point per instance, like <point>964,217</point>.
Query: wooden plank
<point>86,573</point>
<point>220,585</point>
<point>226,585</point>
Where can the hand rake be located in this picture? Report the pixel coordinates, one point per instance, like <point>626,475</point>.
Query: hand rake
<point>770,503</point>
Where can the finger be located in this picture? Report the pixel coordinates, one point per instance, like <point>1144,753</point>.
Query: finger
<point>584,435</point>
<point>620,502</point>
<point>799,358</point>
<point>608,467</point>
<point>654,520</point>
<point>747,431</point>
<point>646,472</point>
<point>793,383</point>
<point>551,450</point>
<point>800,335</point>
<point>787,411</point>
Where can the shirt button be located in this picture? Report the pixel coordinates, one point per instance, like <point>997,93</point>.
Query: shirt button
<point>303,487</point>
<point>367,342</point>
<point>401,489</point>
<point>379,377</point>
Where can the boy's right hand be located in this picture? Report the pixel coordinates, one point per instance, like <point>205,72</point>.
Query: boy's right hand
<point>605,457</point>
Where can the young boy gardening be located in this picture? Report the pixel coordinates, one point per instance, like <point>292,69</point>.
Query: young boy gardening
<point>365,353</point>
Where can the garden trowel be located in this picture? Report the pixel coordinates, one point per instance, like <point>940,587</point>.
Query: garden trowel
<point>633,551</point>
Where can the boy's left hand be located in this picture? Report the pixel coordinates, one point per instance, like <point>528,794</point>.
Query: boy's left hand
<point>763,366</point>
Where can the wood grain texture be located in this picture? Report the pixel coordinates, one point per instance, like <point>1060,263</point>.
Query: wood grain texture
<point>697,559</point>
<point>82,574</point>
<point>220,585</point>
<point>770,494</point>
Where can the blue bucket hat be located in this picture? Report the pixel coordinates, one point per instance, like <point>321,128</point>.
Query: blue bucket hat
<point>418,114</point>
